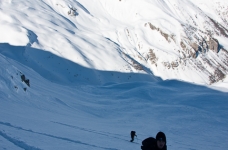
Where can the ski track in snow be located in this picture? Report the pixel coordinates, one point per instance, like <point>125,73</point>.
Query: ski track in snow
<point>23,145</point>
<point>18,143</point>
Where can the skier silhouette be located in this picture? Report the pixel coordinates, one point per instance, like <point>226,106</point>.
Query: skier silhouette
<point>133,134</point>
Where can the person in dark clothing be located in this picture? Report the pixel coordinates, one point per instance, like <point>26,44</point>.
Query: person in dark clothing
<point>155,144</point>
<point>161,141</point>
<point>133,134</point>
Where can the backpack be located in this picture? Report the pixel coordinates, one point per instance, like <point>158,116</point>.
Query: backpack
<point>149,144</point>
<point>132,133</point>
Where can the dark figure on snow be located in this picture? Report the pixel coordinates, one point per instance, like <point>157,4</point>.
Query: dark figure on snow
<point>155,144</point>
<point>133,134</point>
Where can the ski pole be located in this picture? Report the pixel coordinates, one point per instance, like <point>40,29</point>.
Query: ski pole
<point>137,138</point>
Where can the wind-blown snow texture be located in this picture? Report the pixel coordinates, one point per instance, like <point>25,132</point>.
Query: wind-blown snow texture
<point>83,74</point>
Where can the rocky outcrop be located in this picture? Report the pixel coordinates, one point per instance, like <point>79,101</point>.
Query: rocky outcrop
<point>219,29</point>
<point>172,64</point>
<point>135,64</point>
<point>152,57</point>
<point>165,35</point>
<point>213,45</point>
<point>216,76</point>
<point>193,48</point>
<point>198,45</point>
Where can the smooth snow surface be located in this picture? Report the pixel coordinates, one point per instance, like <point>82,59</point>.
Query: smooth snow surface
<point>84,94</point>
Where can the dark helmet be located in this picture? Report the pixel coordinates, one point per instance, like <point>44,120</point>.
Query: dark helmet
<point>161,136</point>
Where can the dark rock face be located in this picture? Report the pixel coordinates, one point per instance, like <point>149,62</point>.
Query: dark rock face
<point>23,79</point>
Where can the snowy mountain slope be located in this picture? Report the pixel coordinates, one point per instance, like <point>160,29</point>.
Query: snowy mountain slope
<point>171,39</point>
<point>83,79</point>
<point>46,115</point>
<point>64,71</point>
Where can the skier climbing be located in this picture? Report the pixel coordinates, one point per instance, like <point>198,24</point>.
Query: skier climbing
<point>133,134</point>
<point>155,144</point>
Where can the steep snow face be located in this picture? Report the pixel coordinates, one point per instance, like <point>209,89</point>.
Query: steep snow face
<point>172,39</point>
